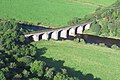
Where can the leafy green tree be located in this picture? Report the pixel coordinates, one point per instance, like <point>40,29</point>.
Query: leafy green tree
<point>60,76</point>
<point>26,73</point>
<point>96,28</point>
<point>118,31</point>
<point>112,29</point>
<point>17,77</point>
<point>104,24</point>
<point>37,67</point>
<point>49,73</point>
<point>2,77</point>
<point>74,21</point>
<point>16,54</point>
<point>34,79</point>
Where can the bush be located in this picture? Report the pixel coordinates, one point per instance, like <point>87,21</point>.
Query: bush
<point>74,21</point>
<point>96,28</point>
<point>39,23</point>
<point>82,41</point>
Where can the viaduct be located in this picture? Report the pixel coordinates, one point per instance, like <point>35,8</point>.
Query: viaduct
<point>62,33</point>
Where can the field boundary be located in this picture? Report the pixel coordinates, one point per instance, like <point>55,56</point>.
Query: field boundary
<point>87,3</point>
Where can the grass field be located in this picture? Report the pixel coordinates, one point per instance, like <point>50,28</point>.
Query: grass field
<point>102,62</point>
<point>48,12</point>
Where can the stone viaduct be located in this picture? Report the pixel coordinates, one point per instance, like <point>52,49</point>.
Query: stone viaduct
<point>62,33</point>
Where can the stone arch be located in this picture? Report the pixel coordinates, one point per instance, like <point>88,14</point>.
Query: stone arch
<point>40,36</point>
<point>76,30</point>
<point>83,27</point>
<point>50,35</point>
<point>71,33</point>
<point>64,34</point>
<point>87,26</point>
<point>45,36</point>
<point>80,30</point>
<point>55,35</point>
<point>36,37</point>
<point>59,34</point>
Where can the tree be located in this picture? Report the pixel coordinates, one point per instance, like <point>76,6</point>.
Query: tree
<point>104,24</point>
<point>16,54</point>
<point>26,73</point>
<point>112,29</point>
<point>74,21</point>
<point>60,76</point>
<point>2,77</point>
<point>37,68</point>
<point>96,28</point>
<point>49,73</point>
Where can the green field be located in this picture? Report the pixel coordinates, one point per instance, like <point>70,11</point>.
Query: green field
<point>77,58</point>
<point>48,12</point>
<point>99,61</point>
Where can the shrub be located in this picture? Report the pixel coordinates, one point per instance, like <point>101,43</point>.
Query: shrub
<point>39,23</point>
<point>96,28</point>
<point>74,21</point>
<point>82,41</point>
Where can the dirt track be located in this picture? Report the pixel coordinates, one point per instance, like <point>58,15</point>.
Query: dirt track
<point>86,3</point>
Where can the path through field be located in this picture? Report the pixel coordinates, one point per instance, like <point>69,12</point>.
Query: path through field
<point>86,3</point>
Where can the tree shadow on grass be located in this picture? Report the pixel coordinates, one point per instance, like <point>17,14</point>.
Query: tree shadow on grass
<point>58,64</point>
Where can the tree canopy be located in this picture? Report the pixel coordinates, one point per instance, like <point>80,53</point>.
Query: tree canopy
<point>105,19</point>
<point>18,59</point>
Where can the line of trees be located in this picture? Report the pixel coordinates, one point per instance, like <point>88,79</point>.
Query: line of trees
<point>106,20</point>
